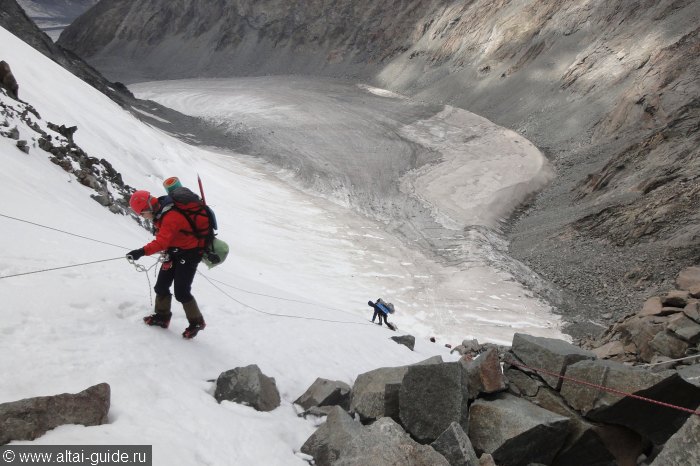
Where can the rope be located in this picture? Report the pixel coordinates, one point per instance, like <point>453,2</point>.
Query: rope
<point>280,298</point>
<point>607,389</point>
<point>141,268</point>
<point>62,231</point>
<point>670,360</point>
<point>144,269</point>
<point>278,315</point>
<point>59,268</point>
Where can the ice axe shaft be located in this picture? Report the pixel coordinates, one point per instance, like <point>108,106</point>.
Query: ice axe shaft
<point>201,189</point>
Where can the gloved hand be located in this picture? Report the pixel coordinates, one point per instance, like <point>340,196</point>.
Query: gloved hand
<point>136,254</point>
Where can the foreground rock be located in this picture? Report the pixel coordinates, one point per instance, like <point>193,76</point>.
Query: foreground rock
<point>682,448</point>
<point>248,385</point>
<point>431,398</point>
<point>324,392</point>
<point>652,421</point>
<point>455,446</point>
<point>341,440</point>
<point>516,432</point>
<point>548,353</point>
<point>375,393</point>
<point>32,417</point>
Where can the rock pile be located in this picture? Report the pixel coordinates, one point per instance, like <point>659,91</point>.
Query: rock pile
<point>21,122</point>
<point>666,329</point>
<point>553,403</point>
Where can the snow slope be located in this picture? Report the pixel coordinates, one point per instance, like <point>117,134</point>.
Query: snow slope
<point>65,330</point>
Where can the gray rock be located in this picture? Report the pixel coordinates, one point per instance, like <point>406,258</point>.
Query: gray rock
<point>691,374</point>
<point>682,448</point>
<point>548,353</point>
<point>32,417</point>
<point>667,344</point>
<point>409,341</point>
<point>456,447</point>
<point>13,134</point>
<point>335,435</point>
<point>585,448</point>
<point>685,328</point>
<point>520,383</point>
<point>248,385</point>
<point>324,392</point>
<point>341,441</point>
<point>431,398</point>
<point>484,374</point>
<point>516,432</point>
<point>369,396</point>
<point>653,422</point>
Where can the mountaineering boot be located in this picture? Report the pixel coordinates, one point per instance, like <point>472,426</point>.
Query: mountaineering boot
<point>194,317</point>
<point>158,320</point>
<point>162,315</point>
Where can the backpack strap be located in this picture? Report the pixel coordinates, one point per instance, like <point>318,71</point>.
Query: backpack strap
<point>194,231</point>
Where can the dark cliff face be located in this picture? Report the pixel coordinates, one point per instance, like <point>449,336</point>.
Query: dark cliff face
<point>609,90</point>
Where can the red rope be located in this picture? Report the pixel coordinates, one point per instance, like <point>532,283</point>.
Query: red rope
<point>607,389</point>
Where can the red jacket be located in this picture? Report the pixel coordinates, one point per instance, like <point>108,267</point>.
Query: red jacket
<point>174,231</point>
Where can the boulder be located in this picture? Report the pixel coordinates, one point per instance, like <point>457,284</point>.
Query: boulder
<point>335,435</point>
<point>685,328</point>
<point>654,422</point>
<point>516,432</point>
<point>324,392</point>
<point>609,350</point>
<point>248,385</point>
<point>586,445</point>
<point>456,447</point>
<point>343,441</point>
<point>32,417</point>
<point>409,341</point>
<point>431,398</point>
<point>651,307</point>
<point>691,374</point>
<point>668,344</point>
<point>688,278</point>
<point>520,383</point>
<point>548,353</point>
<point>484,374</point>
<point>692,311</point>
<point>369,393</point>
<point>640,331</point>
<point>682,448</point>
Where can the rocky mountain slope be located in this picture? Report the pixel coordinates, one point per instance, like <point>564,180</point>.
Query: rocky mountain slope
<point>609,90</point>
<point>52,16</point>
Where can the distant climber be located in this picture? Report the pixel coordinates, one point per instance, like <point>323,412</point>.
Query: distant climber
<point>8,81</point>
<point>174,227</point>
<point>382,309</point>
